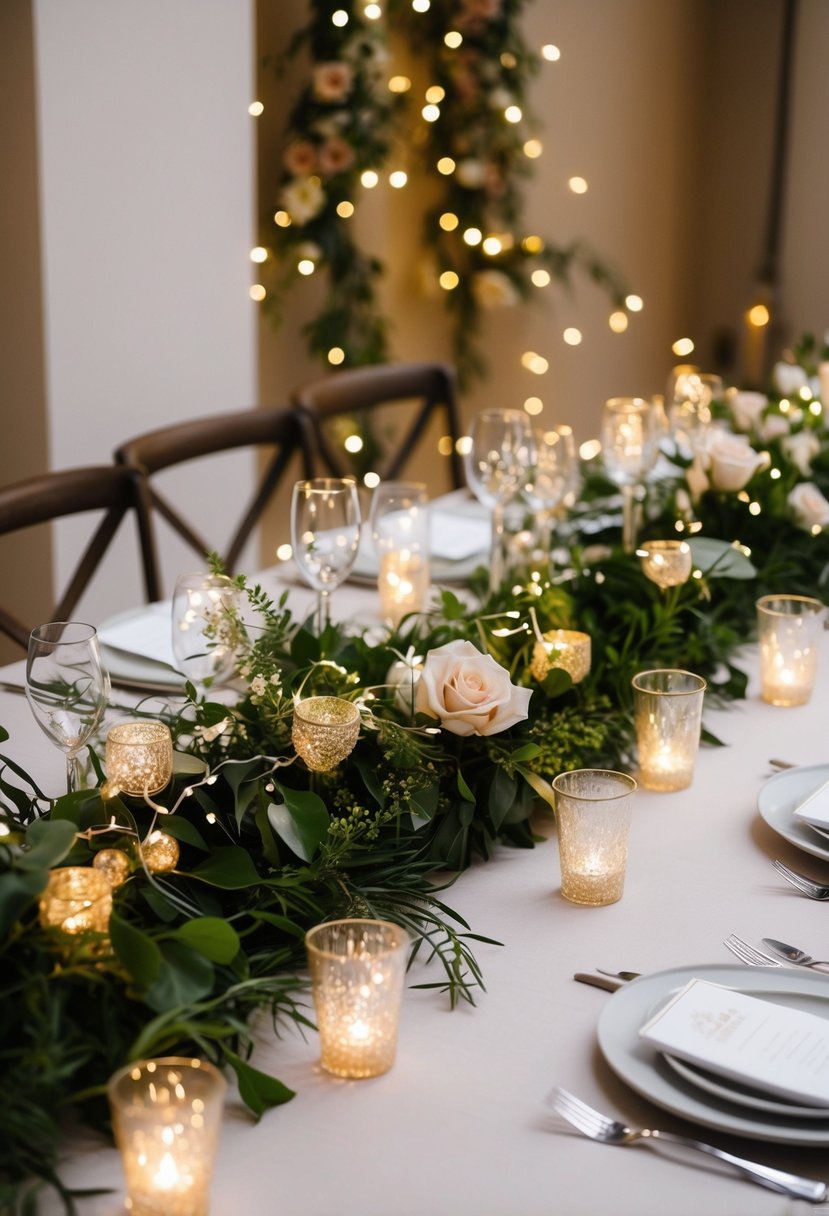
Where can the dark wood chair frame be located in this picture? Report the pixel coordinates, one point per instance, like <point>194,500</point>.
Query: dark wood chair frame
<point>284,428</point>
<point>361,388</point>
<point>55,495</point>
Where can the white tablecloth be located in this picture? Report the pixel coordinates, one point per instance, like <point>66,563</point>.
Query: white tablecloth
<point>459,1127</point>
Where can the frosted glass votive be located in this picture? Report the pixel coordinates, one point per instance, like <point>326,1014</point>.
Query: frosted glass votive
<point>593,808</point>
<point>357,969</point>
<point>565,648</point>
<point>667,563</point>
<point>788,631</point>
<point>77,899</point>
<point>667,711</point>
<point>324,731</point>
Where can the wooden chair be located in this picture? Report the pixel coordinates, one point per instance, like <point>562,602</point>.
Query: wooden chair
<point>429,386</point>
<point>55,495</point>
<point>284,429</point>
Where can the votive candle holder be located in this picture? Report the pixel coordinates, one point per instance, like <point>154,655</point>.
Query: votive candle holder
<point>403,583</point>
<point>357,968</point>
<point>667,711</point>
<point>788,631</point>
<point>593,811</point>
<point>166,1115</point>
<point>668,563</point>
<point>324,731</point>
<point>139,757</point>
<point>567,649</point>
<point>77,899</point>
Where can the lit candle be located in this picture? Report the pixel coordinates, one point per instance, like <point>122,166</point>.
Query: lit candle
<point>593,808</point>
<point>324,731</point>
<point>166,1115</point>
<point>564,648</point>
<point>357,969</point>
<point>788,628</point>
<point>139,757</point>
<point>403,583</point>
<point>667,710</point>
<point>666,562</point>
<point>77,899</point>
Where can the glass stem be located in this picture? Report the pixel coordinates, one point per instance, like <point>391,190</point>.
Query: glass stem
<point>629,507</point>
<point>496,556</point>
<point>73,774</point>
<point>323,610</point>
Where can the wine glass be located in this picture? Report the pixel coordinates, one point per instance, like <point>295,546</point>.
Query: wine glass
<point>689,405</point>
<point>630,444</point>
<point>399,521</point>
<point>66,687</point>
<point>501,450</point>
<point>203,634</point>
<point>550,480</point>
<point>325,533</point>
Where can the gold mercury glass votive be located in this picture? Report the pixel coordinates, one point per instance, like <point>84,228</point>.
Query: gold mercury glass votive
<point>77,899</point>
<point>357,969</point>
<point>139,757</point>
<point>593,809</point>
<point>788,631</point>
<point>166,1115</point>
<point>668,563</point>
<point>564,648</point>
<point>667,711</point>
<point>324,731</point>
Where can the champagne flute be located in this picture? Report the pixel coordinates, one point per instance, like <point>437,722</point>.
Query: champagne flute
<point>203,635</point>
<point>501,449</point>
<point>550,480</point>
<point>66,687</point>
<point>399,521</point>
<point>630,444</point>
<point>325,534</point>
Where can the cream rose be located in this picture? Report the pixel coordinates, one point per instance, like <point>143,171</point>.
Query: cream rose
<point>809,505</point>
<point>801,449</point>
<point>494,289</point>
<point>747,409</point>
<point>469,692</point>
<point>732,461</point>
<point>788,377</point>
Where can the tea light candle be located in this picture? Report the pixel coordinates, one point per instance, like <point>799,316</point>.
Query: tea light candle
<point>166,1115</point>
<point>324,731</point>
<point>403,583</point>
<point>139,757</point>
<point>357,969</point>
<point>667,710</point>
<point>564,648</point>
<point>788,628</point>
<point>667,563</point>
<point>593,809</point>
<point>77,899</point>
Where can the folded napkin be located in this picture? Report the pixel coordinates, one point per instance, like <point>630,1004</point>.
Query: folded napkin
<point>146,633</point>
<point>768,1046</point>
<point>815,808</point>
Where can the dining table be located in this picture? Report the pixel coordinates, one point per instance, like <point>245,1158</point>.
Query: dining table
<point>461,1124</point>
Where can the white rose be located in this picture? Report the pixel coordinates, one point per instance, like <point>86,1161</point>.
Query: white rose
<point>732,461</point>
<point>747,409</point>
<point>774,427</point>
<point>303,199</point>
<point>809,505</point>
<point>469,692</point>
<point>788,378</point>
<point>494,289</point>
<point>801,450</point>
<point>470,174</point>
<point>403,677</point>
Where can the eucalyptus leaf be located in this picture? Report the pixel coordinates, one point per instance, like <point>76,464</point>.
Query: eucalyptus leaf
<point>138,953</point>
<point>49,840</point>
<point>211,936</point>
<point>230,867</point>
<point>185,976</point>
<point>17,892</point>
<point>301,821</point>
<point>186,765</point>
<point>720,559</point>
<point>185,831</point>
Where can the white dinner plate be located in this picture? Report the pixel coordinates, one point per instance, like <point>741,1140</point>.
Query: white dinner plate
<point>643,1067</point>
<point>732,1091</point>
<point>124,663</point>
<point>779,797</point>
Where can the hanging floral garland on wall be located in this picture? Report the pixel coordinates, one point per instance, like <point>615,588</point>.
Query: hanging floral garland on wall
<point>471,135</point>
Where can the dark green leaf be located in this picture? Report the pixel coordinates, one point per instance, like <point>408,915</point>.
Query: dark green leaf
<point>185,831</point>
<point>138,952</point>
<point>50,841</point>
<point>301,821</point>
<point>184,977</point>
<point>17,892</point>
<point>230,867</point>
<point>211,936</point>
<point>258,1091</point>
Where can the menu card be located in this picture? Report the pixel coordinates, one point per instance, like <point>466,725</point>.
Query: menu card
<point>815,808</point>
<point>762,1044</point>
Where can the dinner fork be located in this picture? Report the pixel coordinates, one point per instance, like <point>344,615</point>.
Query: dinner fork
<point>814,890</point>
<point>748,954</point>
<point>610,1131</point>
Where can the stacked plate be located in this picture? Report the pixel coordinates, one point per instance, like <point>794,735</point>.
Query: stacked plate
<point>781,796</point>
<point>136,648</point>
<point>696,1094</point>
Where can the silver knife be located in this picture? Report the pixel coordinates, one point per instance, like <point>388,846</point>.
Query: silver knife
<point>608,982</point>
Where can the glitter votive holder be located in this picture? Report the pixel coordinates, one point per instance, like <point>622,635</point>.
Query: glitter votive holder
<point>77,899</point>
<point>166,1115</point>
<point>593,808</point>
<point>324,731</point>
<point>668,563</point>
<point>788,631</point>
<point>564,648</point>
<point>139,757</point>
<point>357,969</point>
<point>667,711</point>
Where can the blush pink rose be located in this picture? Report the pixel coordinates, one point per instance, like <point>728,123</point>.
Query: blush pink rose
<point>469,692</point>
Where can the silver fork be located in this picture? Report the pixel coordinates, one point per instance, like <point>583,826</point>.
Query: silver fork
<point>610,1131</point>
<point>748,955</point>
<point>814,890</point>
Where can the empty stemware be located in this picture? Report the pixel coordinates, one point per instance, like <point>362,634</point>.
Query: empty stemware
<point>689,406</point>
<point>550,480</point>
<point>630,443</point>
<point>203,643</point>
<point>67,687</point>
<point>501,450</point>
<point>325,533</point>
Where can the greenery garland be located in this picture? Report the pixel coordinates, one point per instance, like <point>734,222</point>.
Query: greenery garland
<point>354,112</point>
